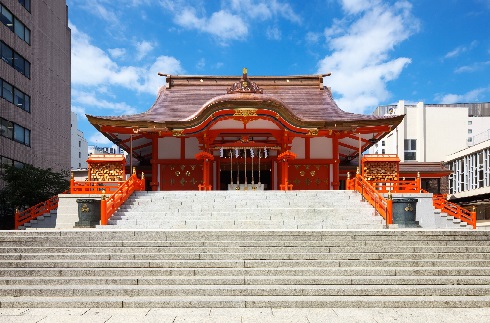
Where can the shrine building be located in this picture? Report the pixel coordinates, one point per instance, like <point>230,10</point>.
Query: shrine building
<point>262,132</point>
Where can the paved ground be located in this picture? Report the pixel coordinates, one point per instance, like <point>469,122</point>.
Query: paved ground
<point>205,315</point>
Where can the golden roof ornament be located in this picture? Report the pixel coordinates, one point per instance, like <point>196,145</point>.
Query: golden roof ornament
<point>244,85</point>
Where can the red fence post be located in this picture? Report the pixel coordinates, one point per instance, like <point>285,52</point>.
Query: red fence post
<point>473,217</point>
<point>103,210</point>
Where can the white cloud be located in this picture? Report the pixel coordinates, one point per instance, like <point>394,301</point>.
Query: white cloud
<point>90,100</point>
<point>100,10</point>
<point>460,50</point>
<point>221,24</point>
<point>312,38</point>
<point>273,33</point>
<point>99,139</point>
<point>143,48</point>
<point>478,66</point>
<point>117,52</point>
<point>471,96</point>
<point>201,64</point>
<point>265,9</point>
<point>91,67</point>
<point>360,45</point>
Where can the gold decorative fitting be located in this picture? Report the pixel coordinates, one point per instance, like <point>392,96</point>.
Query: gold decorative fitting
<point>134,170</point>
<point>142,175</point>
<point>72,175</point>
<point>245,113</point>
<point>103,194</point>
<point>85,208</point>
<point>244,85</point>
<point>390,197</point>
<point>348,174</point>
<point>409,208</point>
<point>177,132</point>
<point>312,132</point>
<point>357,170</point>
<point>418,174</point>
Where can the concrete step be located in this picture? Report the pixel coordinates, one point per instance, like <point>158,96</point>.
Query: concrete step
<point>249,302</point>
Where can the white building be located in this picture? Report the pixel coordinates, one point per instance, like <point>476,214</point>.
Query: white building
<point>430,132</point>
<point>79,145</point>
<point>105,150</point>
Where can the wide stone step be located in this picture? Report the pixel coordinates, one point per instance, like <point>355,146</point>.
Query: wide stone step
<point>245,290</point>
<point>240,256</point>
<point>206,272</point>
<point>252,280</point>
<point>248,302</point>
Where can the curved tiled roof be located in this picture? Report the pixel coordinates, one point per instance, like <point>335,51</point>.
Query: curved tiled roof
<point>184,98</point>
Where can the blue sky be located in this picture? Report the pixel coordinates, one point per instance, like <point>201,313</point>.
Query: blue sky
<point>378,51</point>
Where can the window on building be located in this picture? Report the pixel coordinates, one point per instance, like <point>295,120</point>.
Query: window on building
<point>470,131</point>
<point>27,137</point>
<point>79,155</point>
<point>79,143</point>
<point>383,143</point>
<point>7,92</point>
<point>16,60</point>
<point>382,151</point>
<point>7,18</point>
<point>19,134</point>
<point>470,139</point>
<point>7,54</point>
<point>470,123</point>
<point>15,25</point>
<point>410,152</point>
<point>26,4</point>
<point>7,128</point>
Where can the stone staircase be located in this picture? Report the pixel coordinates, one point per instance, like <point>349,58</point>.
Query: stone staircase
<point>47,220</point>
<point>246,268</point>
<point>246,210</point>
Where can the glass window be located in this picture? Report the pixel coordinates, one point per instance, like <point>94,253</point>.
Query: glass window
<point>27,35</point>
<point>27,103</point>
<point>27,137</point>
<point>19,28</point>
<point>470,123</point>
<point>470,139</point>
<point>383,143</point>
<point>7,128</point>
<point>18,164</point>
<point>26,4</point>
<point>18,98</point>
<point>7,54</point>
<point>7,92</point>
<point>19,134</point>
<point>470,131</point>
<point>27,71</point>
<point>409,155</point>
<point>19,63</point>
<point>7,18</point>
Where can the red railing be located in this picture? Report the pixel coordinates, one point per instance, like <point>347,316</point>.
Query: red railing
<point>440,202</point>
<point>403,186</point>
<point>37,210</point>
<point>383,206</point>
<point>109,205</point>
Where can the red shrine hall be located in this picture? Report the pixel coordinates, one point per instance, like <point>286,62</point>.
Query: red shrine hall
<point>257,133</point>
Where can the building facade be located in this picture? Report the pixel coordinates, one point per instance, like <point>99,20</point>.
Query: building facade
<point>236,132</point>
<point>79,145</point>
<point>430,132</point>
<point>35,73</point>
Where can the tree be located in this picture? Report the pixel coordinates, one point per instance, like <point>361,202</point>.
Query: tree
<point>28,186</point>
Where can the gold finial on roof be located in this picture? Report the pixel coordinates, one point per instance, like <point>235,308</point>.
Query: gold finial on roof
<point>245,71</point>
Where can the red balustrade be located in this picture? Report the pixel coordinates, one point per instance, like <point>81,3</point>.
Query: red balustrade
<point>110,204</point>
<point>440,202</point>
<point>37,210</point>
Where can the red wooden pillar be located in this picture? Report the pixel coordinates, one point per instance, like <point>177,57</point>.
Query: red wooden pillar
<point>283,159</point>
<point>154,164</point>
<point>336,162</point>
<point>206,158</point>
